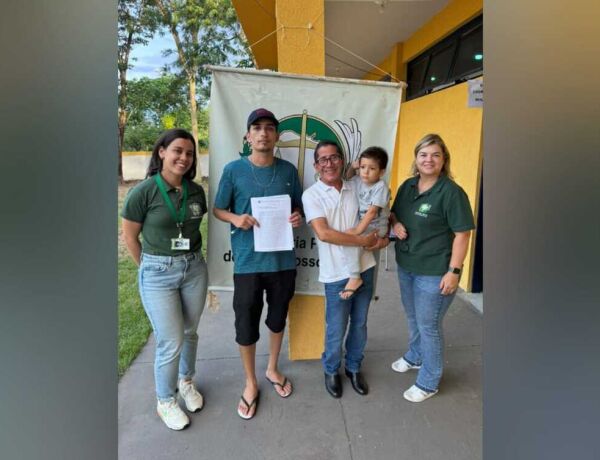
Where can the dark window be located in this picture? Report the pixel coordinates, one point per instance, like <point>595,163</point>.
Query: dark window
<point>439,67</point>
<point>469,58</point>
<point>416,74</point>
<point>453,60</point>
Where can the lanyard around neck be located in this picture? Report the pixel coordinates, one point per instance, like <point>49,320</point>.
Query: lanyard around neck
<point>163,191</point>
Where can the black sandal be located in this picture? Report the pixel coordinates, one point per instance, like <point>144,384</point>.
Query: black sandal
<point>282,386</point>
<point>248,407</point>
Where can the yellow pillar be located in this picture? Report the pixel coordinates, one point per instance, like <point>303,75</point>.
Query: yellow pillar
<point>301,50</point>
<point>300,42</point>
<point>398,71</point>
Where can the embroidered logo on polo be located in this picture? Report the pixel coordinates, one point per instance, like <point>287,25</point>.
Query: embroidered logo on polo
<point>423,210</point>
<point>195,210</point>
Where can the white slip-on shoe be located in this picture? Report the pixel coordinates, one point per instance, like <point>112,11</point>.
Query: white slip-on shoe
<point>191,396</point>
<point>415,394</point>
<point>403,365</point>
<point>170,413</point>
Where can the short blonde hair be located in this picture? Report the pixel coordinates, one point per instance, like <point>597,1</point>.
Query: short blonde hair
<point>426,141</point>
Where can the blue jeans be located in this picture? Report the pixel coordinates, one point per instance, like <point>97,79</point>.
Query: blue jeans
<point>425,308</point>
<point>173,291</point>
<point>350,314</point>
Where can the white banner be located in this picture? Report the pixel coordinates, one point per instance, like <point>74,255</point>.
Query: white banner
<point>354,113</point>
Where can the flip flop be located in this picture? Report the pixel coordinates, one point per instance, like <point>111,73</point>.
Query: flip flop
<point>353,291</point>
<point>282,386</point>
<point>248,407</point>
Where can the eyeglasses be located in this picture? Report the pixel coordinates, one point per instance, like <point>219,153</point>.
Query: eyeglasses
<point>333,159</point>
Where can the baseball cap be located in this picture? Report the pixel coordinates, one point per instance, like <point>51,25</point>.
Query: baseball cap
<point>261,113</point>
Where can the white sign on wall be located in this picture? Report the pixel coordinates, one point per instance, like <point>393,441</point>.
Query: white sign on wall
<point>475,93</point>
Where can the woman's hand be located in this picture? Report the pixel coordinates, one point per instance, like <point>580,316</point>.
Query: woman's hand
<point>400,231</point>
<point>449,283</point>
<point>131,233</point>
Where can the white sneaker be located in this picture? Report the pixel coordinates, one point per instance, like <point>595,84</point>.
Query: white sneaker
<point>415,394</point>
<point>191,396</point>
<point>170,413</point>
<point>402,365</point>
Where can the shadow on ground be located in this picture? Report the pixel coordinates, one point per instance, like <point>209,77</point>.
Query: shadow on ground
<point>310,424</point>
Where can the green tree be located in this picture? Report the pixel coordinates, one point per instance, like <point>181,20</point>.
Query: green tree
<point>156,104</point>
<point>204,32</point>
<point>137,22</point>
<point>141,136</point>
<point>152,98</point>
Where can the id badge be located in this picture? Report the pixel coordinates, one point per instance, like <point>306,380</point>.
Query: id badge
<point>182,244</point>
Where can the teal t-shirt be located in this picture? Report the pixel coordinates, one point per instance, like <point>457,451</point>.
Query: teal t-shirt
<point>144,204</point>
<point>240,181</point>
<point>431,219</point>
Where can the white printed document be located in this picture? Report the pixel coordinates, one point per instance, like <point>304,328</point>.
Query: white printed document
<point>274,232</point>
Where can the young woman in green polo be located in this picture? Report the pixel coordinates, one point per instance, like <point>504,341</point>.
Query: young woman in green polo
<point>432,220</point>
<point>167,209</point>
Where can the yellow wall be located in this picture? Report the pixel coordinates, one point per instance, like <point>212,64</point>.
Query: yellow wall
<point>300,31</point>
<point>257,24</point>
<point>392,64</point>
<point>298,50</point>
<point>445,113</point>
<point>457,13</point>
<point>376,74</point>
<point>302,51</point>
<point>276,29</point>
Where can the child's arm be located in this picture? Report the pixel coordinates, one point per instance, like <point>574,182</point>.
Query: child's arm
<point>351,171</point>
<point>371,214</point>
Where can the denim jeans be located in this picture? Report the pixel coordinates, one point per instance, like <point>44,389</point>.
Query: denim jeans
<point>425,308</point>
<point>350,314</point>
<point>173,292</point>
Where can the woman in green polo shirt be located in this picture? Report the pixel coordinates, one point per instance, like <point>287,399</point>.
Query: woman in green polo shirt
<point>167,208</point>
<point>432,220</point>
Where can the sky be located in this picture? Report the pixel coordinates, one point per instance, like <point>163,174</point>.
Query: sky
<point>149,57</point>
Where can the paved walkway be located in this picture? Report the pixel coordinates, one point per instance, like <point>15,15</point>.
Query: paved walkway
<point>311,424</point>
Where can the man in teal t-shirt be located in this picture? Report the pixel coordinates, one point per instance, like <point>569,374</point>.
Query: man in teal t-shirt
<point>258,175</point>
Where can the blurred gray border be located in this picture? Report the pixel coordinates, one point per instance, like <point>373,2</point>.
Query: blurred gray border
<point>542,232</point>
<point>58,227</point>
<point>58,201</point>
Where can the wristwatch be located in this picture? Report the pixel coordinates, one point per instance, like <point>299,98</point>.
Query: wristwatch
<point>454,270</point>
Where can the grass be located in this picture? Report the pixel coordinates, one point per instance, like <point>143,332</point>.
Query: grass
<point>134,327</point>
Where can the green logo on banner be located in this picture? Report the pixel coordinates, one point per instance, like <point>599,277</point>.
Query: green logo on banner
<point>299,134</point>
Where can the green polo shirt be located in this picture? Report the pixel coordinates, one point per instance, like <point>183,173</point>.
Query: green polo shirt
<point>144,204</point>
<point>431,219</point>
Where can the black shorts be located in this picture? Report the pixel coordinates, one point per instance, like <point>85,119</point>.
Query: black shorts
<point>248,302</point>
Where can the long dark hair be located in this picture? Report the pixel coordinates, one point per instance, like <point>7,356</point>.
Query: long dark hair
<point>163,141</point>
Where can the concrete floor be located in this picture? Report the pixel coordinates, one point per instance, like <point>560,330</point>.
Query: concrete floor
<point>311,424</point>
